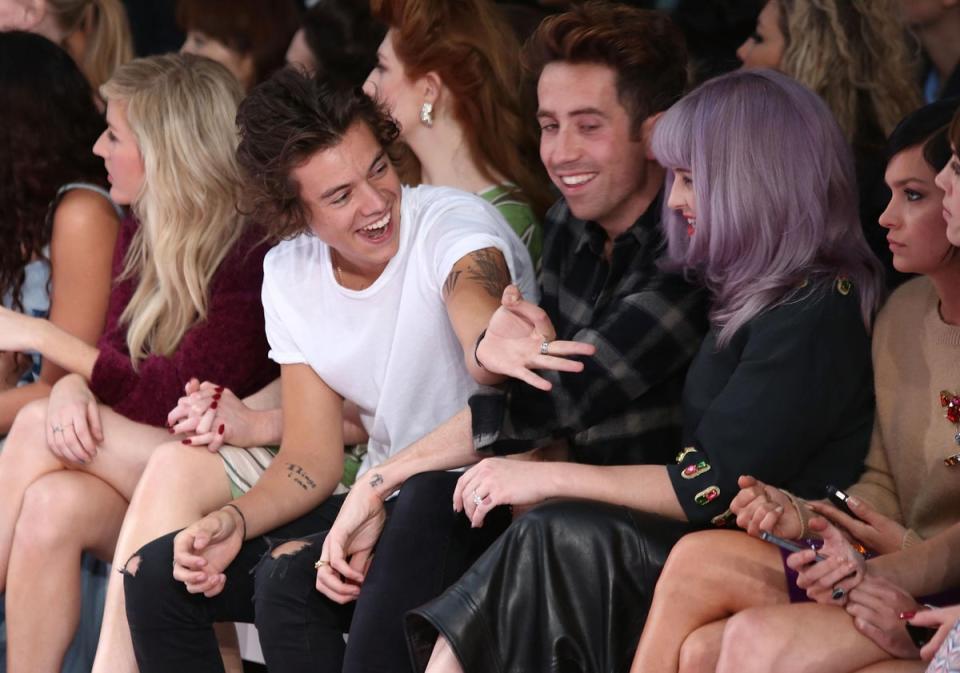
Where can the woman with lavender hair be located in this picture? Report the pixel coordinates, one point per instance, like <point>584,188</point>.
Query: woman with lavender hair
<point>762,209</point>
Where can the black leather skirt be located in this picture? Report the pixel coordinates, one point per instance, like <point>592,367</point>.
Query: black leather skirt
<point>565,589</point>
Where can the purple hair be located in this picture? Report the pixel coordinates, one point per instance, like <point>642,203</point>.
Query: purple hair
<point>776,196</point>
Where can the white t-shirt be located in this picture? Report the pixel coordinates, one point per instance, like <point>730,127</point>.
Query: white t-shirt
<point>390,348</point>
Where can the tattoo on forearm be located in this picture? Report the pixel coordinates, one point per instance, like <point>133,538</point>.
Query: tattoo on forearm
<point>450,283</point>
<point>376,480</point>
<point>300,477</point>
<point>489,269</point>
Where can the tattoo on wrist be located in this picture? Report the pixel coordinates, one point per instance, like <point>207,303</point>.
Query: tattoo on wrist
<point>300,477</point>
<point>489,270</point>
<point>376,480</point>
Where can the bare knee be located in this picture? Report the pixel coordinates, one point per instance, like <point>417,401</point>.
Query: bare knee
<point>289,548</point>
<point>33,413</point>
<point>173,466</point>
<point>750,643</point>
<point>45,520</point>
<point>30,422</point>
<point>685,572</point>
<point>700,651</point>
<point>132,566</point>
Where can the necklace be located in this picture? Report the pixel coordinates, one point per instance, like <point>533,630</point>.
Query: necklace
<point>951,402</point>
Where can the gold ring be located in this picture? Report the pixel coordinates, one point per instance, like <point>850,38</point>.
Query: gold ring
<point>320,563</point>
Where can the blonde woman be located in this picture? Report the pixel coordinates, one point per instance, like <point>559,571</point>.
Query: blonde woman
<point>185,302</point>
<point>95,33</point>
<point>856,56</point>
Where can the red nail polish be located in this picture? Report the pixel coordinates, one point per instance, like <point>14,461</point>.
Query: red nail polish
<point>908,615</point>
<point>170,430</point>
<point>218,389</point>
<point>217,396</point>
<point>186,441</point>
<point>213,405</point>
<point>221,429</point>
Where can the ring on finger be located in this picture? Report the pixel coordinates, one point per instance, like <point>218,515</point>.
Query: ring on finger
<point>56,428</point>
<point>545,347</point>
<point>838,593</point>
<point>320,563</point>
<point>477,500</point>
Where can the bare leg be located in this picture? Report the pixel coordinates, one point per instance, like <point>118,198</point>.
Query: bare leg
<point>179,485</point>
<point>701,650</point>
<point>794,638</point>
<point>229,647</point>
<point>708,576</point>
<point>896,666</point>
<point>26,458</point>
<point>63,514</point>
<point>443,660</point>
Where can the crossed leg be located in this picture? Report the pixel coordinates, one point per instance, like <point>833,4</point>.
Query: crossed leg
<point>708,576</point>
<point>179,485</point>
<point>49,513</point>
<point>794,639</point>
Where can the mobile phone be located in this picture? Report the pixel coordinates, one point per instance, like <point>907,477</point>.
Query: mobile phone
<point>839,500</point>
<point>789,545</point>
<point>920,635</point>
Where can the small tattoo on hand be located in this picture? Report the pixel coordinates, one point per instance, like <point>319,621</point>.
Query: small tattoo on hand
<point>376,480</point>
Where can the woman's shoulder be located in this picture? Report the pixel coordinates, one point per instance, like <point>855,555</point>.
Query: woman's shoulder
<point>78,211</point>
<point>84,221</point>
<point>825,307</point>
<point>913,296</point>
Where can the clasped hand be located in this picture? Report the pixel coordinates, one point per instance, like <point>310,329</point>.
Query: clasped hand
<point>513,341</point>
<point>203,550</point>
<point>211,415</point>
<point>347,550</point>
<point>761,507</point>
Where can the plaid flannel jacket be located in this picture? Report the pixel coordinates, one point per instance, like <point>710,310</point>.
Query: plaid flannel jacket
<point>624,407</point>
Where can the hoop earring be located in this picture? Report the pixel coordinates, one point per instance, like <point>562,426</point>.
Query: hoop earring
<point>426,114</point>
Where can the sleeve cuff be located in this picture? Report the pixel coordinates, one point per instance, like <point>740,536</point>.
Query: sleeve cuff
<point>487,411</point>
<point>286,357</point>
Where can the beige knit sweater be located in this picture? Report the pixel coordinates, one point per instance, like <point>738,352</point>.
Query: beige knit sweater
<point>915,356</point>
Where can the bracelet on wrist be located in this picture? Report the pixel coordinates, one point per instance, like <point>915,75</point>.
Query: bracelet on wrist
<point>243,519</point>
<point>476,347</point>
<point>802,513</point>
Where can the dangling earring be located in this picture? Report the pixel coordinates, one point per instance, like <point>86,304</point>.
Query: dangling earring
<point>426,114</point>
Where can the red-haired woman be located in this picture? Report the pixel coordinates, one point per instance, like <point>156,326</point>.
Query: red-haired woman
<point>449,73</point>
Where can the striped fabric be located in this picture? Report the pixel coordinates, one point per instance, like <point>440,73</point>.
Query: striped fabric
<point>244,466</point>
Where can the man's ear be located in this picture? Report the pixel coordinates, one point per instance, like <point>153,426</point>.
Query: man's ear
<point>646,134</point>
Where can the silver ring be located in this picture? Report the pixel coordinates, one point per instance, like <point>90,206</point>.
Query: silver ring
<point>838,593</point>
<point>544,347</point>
<point>56,428</point>
<point>477,500</point>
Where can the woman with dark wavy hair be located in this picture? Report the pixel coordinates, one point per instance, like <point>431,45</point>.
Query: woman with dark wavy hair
<point>450,74</point>
<point>55,206</point>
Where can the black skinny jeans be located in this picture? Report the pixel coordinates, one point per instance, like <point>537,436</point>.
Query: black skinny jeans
<point>424,548</point>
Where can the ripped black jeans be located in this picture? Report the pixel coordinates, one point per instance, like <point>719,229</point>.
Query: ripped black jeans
<point>424,548</point>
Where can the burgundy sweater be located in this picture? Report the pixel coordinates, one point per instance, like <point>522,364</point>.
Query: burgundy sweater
<point>229,347</point>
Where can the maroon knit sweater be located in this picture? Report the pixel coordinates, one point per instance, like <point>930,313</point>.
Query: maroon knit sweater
<point>229,347</point>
